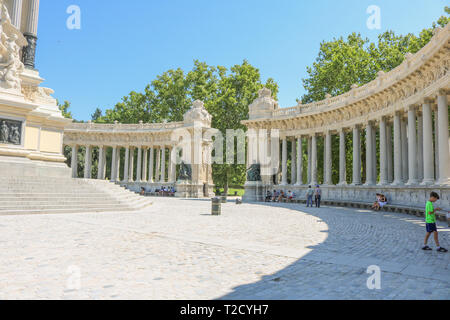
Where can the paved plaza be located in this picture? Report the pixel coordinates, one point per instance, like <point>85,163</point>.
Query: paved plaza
<point>176,250</point>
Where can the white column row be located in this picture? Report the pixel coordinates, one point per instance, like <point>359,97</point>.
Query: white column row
<point>408,154</point>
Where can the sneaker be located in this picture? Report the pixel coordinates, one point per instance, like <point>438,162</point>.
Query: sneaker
<point>427,248</point>
<point>443,250</point>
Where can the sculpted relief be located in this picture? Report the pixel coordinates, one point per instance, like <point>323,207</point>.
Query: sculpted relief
<point>10,132</point>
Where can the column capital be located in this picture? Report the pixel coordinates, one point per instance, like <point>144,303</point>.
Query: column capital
<point>442,92</point>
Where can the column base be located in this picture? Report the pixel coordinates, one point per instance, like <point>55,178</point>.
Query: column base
<point>444,182</point>
<point>428,183</point>
<point>383,183</point>
<point>398,183</point>
<point>342,184</point>
<point>412,183</point>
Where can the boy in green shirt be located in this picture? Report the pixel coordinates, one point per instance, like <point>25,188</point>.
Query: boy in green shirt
<point>430,215</point>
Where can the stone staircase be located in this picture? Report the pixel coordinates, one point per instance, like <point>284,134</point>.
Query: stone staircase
<point>65,195</point>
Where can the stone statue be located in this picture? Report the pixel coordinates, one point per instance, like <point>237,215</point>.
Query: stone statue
<point>15,135</point>
<point>4,132</point>
<point>254,173</point>
<point>185,172</point>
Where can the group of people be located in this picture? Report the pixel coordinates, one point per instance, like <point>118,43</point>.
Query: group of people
<point>278,196</point>
<point>315,194</point>
<point>162,192</point>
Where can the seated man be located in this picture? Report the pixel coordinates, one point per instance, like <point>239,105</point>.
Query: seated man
<point>290,195</point>
<point>268,196</point>
<point>275,196</point>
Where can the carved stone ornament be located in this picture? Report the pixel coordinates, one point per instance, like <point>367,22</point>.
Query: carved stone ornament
<point>198,113</point>
<point>11,42</point>
<point>264,105</point>
<point>10,132</point>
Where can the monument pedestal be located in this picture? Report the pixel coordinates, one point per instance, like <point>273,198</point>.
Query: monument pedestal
<point>254,191</point>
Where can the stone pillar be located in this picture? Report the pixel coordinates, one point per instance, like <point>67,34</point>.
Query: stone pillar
<point>126,168</point>
<point>356,156</point>
<point>114,164</point>
<point>144,165</point>
<point>163,164</point>
<point>390,164</point>
<point>314,160</point>
<point>420,147</point>
<point>443,141</point>
<point>131,166</point>
<point>436,145</point>
<point>88,163</point>
<point>370,180</point>
<point>101,153</point>
<point>74,163</point>
<point>16,14</point>
<point>139,165</point>
<point>151,165</point>
<point>428,154</point>
<point>404,149</point>
<point>309,178</point>
<point>342,159</point>
<point>118,164</point>
<point>328,160</point>
<point>383,153</point>
<point>299,162</point>
<point>284,163</point>
<point>29,52</point>
<point>158,165</point>
<point>172,166</point>
<point>374,154</point>
<point>412,144</point>
<point>294,162</point>
<point>397,150</point>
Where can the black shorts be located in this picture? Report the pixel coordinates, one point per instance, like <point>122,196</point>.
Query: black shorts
<point>431,227</point>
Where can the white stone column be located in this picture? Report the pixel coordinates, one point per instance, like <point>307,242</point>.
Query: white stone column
<point>374,154</point>
<point>131,166</point>
<point>33,17</point>
<point>309,178</point>
<point>74,163</point>
<point>443,142</point>
<point>436,145</point>
<point>172,165</point>
<point>114,164</point>
<point>314,160</point>
<point>151,165</point>
<point>139,165</point>
<point>158,165</point>
<point>412,145</point>
<point>163,164</point>
<point>299,162</point>
<point>383,153</point>
<point>101,152</point>
<point>16,14</point>
<point>126,169</point>
<point>420,147</point>
<point>284,163</point>
<point>428,152</point>
<point>356,156</point>
<point>328,160</point>
<point>390,163</point>
<point>294,162</point>
<point>119,148</point>
<point>369,155</point>
<point>144,165</point>
<point>398,180</point>
<point>87,162</point>
<point>342,159</point>
<point>405,161</point>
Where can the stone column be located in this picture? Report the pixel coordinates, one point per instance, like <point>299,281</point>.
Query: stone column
<point>131,166</point>
<point>390,164</point>
<point>151,165</point>
<point>314,160</point>
<point>443,142</point>
<point>101,152</point>
<point>163,164</point>
<point>428,154</point>
<point>284,163</point>
<point>404,148</point>
<point>328,160</point>
<point>294,162</point>
<point>139,165</point>
<point>370,180</point>
<point>420,147</point>
<point>172,166</point>
<point>118,164</point>
<point>114,164</point>
<point>436,145</point>
<point>299,162</point>
<point>144,165</point>
<point>412,144</point>
<point>16,14</point>
<point>309,160</point>
<point>29,52</point>
<point>342,159</point>
<point>398,180</point>
<point>356,156</point>
<point>374,154</point>
<point>126,168</point>
<point>158,165</point>
<point>383,153</point>
<point>88,162</point>
<point>74,163</point>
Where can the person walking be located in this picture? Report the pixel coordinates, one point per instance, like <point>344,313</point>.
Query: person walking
<point>309,197</point>
<point>318,194</point>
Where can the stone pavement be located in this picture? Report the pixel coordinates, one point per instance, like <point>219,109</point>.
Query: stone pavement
<point>176,250</point>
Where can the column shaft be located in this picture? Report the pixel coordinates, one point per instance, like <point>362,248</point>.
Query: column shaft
<point>397,151</point>
<point>404,150</point>
<point>101,152</point>
<point>299,162</point>
<point>151,165</point>
<point>158,165</point>
<point>126,169</point>
<point>139,165</point>
<point>412,145</point>
<point>144,165</point>
<point>342,159</point>
<point>356,156</point>
<point>369,155</point>
<point>314,160</point>
<point>87,162</point>
<point>163,164</point>
<point>74,163</point>
<point>420,148</point>
<point>390,164</point>
<point>328,160</point>
<point>284,163</point>
<point>444,158</point>
<point>114,164</point>
<point>428,152</point>
<point>16,14</point>
<point>383,153</point>
<point>131,166</point>
<point>294,162</point>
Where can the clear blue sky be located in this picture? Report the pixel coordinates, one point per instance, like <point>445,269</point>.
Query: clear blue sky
<point>123,45</point>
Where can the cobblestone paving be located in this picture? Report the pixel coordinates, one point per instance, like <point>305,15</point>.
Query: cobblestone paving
<point>176,250</point>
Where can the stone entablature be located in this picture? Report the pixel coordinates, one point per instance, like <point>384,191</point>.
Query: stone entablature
<point>149,143</point>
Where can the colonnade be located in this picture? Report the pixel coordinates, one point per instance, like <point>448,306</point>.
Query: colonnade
<point>151,165</point>
<point>412,149</point>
